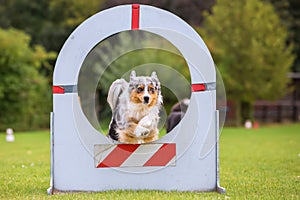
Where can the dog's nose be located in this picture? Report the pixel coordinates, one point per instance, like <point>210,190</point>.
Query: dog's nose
<point>146,99</point>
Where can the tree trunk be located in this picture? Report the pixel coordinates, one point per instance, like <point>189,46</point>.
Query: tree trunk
<point>247,111</point>
<point>237,117</point>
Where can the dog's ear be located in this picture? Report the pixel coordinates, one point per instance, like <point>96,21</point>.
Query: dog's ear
<point>132,75</point>
<point>153,75</point>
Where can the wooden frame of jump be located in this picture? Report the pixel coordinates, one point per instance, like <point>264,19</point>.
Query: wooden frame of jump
<point>186,159</point>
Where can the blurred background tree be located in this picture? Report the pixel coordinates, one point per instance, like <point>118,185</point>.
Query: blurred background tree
<point>24,92</point>
<point>25,67</point>
<point>248,43</point>
<point>48,22</point>
<point>64,16</point>
<point>289,12</point>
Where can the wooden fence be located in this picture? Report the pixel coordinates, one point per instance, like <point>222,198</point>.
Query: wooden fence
<point>280,111</point>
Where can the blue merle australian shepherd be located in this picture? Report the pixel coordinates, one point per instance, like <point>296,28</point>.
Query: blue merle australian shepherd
<point>135,109</point>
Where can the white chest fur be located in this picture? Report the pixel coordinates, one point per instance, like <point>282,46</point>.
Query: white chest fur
<point>138,111</point>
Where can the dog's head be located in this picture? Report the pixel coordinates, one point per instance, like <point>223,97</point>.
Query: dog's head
<point>145,89</point>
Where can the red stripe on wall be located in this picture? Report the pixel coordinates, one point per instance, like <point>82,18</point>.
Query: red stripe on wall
<point>163,156</point>
<point>198,87</point>
<point>118,155</point>
<point>58,90</point>
<point>135,17</point>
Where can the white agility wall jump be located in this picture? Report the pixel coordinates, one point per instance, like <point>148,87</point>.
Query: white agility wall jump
<point>186,159</point>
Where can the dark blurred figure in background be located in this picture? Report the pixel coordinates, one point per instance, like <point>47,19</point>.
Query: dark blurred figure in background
<point>177,112</point>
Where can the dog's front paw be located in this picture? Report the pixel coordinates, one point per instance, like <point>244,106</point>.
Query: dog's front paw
<point>141,131</point>
<point>145,122</point>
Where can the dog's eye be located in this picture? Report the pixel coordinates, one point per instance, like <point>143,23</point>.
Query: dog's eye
<point>151,90</point>
<point>139,89</point>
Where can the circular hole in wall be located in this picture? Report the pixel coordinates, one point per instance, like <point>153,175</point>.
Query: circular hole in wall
<point>115,58</point>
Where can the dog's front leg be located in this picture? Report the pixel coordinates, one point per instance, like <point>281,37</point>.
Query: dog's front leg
<point>141,131</point>
<point>137,130</point>
<point>149,121</point>
<point>145,122</point>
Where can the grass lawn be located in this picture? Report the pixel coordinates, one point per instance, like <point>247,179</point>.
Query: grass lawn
<point>260,163</point>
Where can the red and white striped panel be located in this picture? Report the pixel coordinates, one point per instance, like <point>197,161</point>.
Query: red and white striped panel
<point>134,155</point>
